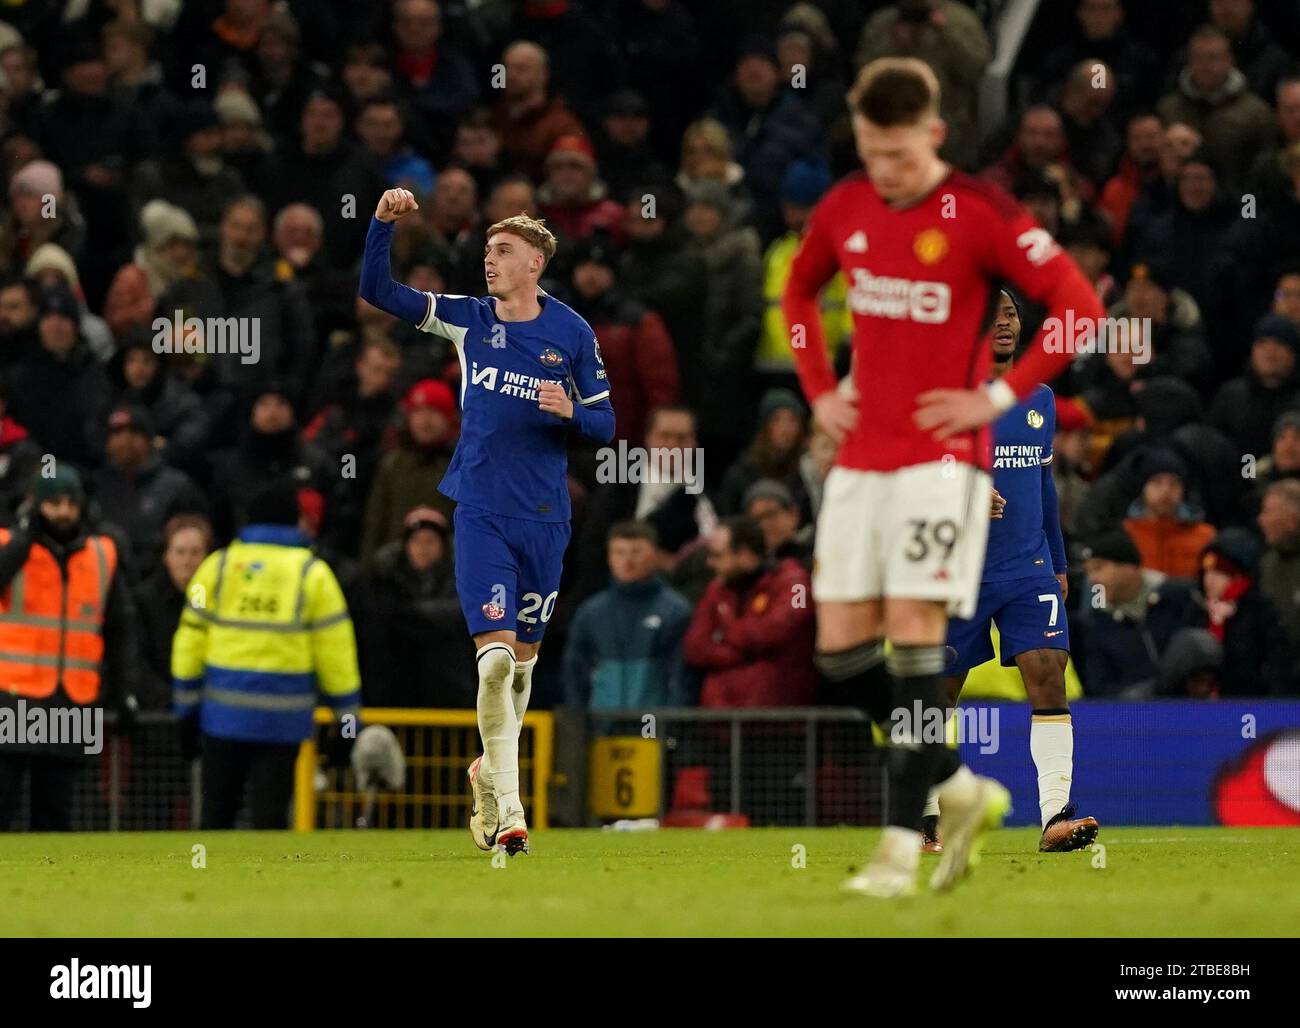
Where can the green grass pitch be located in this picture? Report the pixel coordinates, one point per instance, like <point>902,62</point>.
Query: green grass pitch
<point>1161,881</point>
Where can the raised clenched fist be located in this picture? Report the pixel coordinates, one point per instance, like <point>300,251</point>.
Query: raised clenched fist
<point>395,204</point>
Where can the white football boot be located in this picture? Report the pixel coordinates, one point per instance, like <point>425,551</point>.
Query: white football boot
<point>973,806</point>
<point>483,811</point>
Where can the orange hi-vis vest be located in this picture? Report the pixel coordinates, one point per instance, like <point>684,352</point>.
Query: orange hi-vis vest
<point>51,629</point>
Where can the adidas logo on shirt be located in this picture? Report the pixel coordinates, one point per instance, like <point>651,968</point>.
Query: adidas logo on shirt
<point>856,243</point>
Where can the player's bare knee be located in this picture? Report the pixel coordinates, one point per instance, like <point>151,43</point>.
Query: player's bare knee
<point>1043,672</point>
<point>526,651</point>
<point>843,625</point>
<point>915,622</point>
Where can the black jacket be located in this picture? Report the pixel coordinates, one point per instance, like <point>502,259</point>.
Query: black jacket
<point>415,648</point>
<point>1119,651</point>
<point>159,604</point>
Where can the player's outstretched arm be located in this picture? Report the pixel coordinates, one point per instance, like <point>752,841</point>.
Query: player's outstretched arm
<point>377,285</point>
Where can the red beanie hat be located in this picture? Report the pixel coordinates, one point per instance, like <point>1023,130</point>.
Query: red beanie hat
<point>430,392</point>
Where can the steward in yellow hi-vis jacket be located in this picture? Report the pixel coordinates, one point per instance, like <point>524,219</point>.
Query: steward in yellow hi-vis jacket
<point>264,630</point>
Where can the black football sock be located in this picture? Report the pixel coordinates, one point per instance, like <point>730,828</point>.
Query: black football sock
<point>920,757</point>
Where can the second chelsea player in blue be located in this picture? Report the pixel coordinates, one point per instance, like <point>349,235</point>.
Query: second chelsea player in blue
<point>530,370</point>
<point>1023,590</point>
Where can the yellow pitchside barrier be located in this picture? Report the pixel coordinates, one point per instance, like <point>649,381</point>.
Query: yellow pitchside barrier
<point>439,746</point>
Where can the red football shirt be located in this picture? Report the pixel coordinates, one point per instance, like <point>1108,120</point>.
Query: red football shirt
<point>922,281</point>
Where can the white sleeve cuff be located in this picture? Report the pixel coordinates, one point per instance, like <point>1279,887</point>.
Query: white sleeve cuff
<point>1002,395</point>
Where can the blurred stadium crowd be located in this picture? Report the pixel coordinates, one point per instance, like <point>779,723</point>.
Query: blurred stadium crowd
<point>220,158</point>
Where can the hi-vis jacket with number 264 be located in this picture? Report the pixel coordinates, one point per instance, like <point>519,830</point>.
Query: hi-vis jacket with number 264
<point>265,629</point>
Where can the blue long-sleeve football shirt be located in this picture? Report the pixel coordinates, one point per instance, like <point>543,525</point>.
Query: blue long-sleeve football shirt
<point>511,458</point>
<point>1027,540</point>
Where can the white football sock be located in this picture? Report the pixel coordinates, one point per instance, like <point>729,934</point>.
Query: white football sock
<point>496,723</point>
<point>523,687</point>
<point>931,805</point>
<point>1051,744</point>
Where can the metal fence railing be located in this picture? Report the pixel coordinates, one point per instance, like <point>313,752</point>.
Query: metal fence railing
<point>439,746</point>
<point>791,766</point>
<point>140,782</point>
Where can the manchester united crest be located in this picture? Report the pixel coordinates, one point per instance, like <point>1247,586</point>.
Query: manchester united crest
<point>930,246</point>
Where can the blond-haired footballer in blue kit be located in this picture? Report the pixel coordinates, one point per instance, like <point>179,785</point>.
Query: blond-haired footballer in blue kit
<point>530,371</point>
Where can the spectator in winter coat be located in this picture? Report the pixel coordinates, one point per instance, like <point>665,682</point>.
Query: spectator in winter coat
<point>59,376</point>
<point>1286,296</point>
<point>1215,98</point>
<point>1169,416</point>
<point>1168,531</point>
<point>1102,37</point>
<point>773,454</point>
<point>1257,655</point>
<point>1267,177</point>
<point>1190,667</point>
<point>639,358</point>
<point>160,597</point>
<point>752,631</point>
<point>624,648</point>
<point>25,225</point>
<point>528,120</point>
<point>414,650</point>
<point>351,433</point>
<point>660,268</point>
<point>1091,139</point>
<point>51,267</point>
<point>239,285</point>
<point>319,167</point>
<point>573,198</point>
<point>298,239</point>
<point>950,38</point>
<point>772,506</point>
<point>1196,225</point>
<point>1282,462</point>
<point>192,175</point>
<point>381,126</point>
<point>20,309</point>
<point>713,379</point>
<point>670,498</point>
<point>1156,196</point>
<point>138,376</point>
<point>1139,165</point>
<point>708,156</point>
<point>1254,50</point>
<point>409,475</point>
<point>1246,408</point>
<point>1279,568</point>
<point>440,80</point>
<point>625,157</point>
<point>269,451</point>
<point>1129,625</point>
<point>1176,343</point>
<point>1040,149</point>
<point>135,491</point>
<point>167,252</point>
<point>769,127</point>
